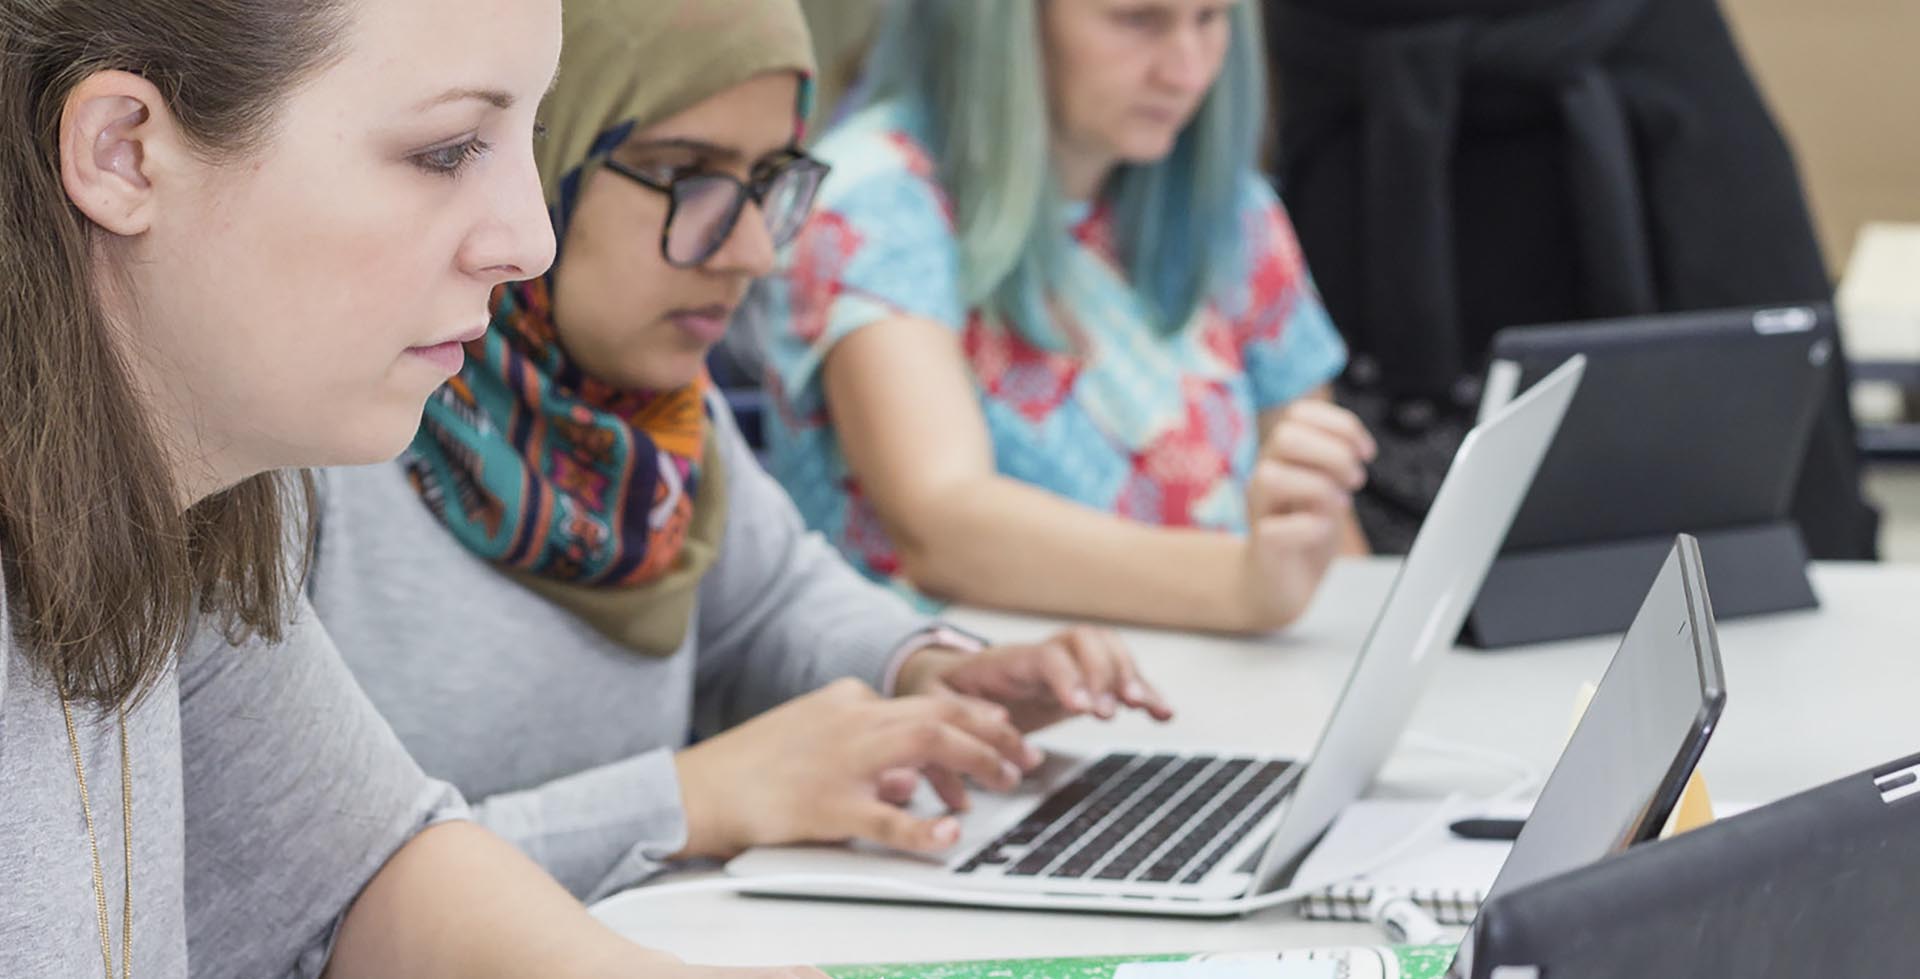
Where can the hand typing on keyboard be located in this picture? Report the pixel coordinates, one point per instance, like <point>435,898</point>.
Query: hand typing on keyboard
<point>1082,671</point>
<point>829,767</point>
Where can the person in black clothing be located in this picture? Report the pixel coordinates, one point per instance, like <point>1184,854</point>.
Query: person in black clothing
<point>1459,166</point>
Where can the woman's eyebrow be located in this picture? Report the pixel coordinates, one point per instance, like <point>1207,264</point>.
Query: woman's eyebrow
<point>493,97</point>
<point>702,148</point>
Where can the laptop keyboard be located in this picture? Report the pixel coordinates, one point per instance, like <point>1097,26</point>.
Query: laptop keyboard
<point>1153,818</point>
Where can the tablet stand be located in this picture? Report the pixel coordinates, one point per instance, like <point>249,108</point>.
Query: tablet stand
<point>1595,589</point>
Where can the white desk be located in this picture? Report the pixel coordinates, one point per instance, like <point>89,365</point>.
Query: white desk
<point>1811,697</point>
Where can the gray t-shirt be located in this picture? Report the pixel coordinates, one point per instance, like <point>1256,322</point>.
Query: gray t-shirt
<point>562,738</point>
<point>266,793</point>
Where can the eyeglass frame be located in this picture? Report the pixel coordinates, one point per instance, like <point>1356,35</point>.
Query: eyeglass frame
<point>754,188</point>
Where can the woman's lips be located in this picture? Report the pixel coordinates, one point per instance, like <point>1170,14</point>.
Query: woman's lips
<point>449,355</point>
<point>706,325</point>
<point>446,357</point>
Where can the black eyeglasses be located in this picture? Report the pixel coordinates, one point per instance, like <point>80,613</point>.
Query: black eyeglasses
<point>703,206</point>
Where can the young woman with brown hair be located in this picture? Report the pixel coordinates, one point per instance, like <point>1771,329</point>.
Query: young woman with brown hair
<point>239,236</point>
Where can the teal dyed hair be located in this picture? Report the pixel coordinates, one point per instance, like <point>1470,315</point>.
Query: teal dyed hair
<point>974,68</point>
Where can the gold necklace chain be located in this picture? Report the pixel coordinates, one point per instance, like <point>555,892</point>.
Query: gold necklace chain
<point>93,843</point>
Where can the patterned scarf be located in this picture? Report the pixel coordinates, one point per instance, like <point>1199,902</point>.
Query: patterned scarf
<point>541,469</point>
<point>574,486</point>
<point>609,503</point>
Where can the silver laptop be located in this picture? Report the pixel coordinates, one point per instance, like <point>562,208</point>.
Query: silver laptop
<point>1626,766</point>
<point>1170,832</point>
<point>1619,778</point>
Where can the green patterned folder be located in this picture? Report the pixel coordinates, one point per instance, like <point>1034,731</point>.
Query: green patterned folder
<point>1368,962</point>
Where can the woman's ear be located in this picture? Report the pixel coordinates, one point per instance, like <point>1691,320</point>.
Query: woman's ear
<point>114,129</point>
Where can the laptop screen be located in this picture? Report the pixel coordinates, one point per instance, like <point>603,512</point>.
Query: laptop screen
<point>1644,731</point>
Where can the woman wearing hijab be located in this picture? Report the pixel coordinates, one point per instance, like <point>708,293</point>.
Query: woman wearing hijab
<point>579,567</point>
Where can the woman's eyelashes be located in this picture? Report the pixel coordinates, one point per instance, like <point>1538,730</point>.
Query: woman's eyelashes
<point>665,168</point>
<point>452,159</point>
<point>668,163</point>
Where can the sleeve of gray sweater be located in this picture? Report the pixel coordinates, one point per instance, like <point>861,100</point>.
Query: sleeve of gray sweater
<point>295,793</point>
<point>782,614</point>
<point>598,831</point>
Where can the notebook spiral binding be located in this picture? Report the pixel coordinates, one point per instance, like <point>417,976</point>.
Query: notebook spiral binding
<point>1349,901</point>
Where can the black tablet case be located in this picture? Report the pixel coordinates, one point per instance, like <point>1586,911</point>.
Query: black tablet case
<point>1693,423</point>
<point>1822,885</point>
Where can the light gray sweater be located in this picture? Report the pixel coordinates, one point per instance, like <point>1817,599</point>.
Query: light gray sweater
<point>266,793</point>
<point>561,738</point>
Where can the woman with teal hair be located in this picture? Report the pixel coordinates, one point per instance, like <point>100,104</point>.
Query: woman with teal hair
<point>1048,343</point>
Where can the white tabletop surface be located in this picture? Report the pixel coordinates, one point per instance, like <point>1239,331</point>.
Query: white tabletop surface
<point>1812,696</point>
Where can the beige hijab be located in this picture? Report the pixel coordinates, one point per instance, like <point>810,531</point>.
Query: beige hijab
<point>628,64</point>
<point>625,66</point>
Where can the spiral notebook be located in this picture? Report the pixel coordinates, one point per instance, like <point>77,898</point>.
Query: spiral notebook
<point>1442,873</point>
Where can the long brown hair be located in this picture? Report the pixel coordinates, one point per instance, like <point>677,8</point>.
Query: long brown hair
<point>104,574</point>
